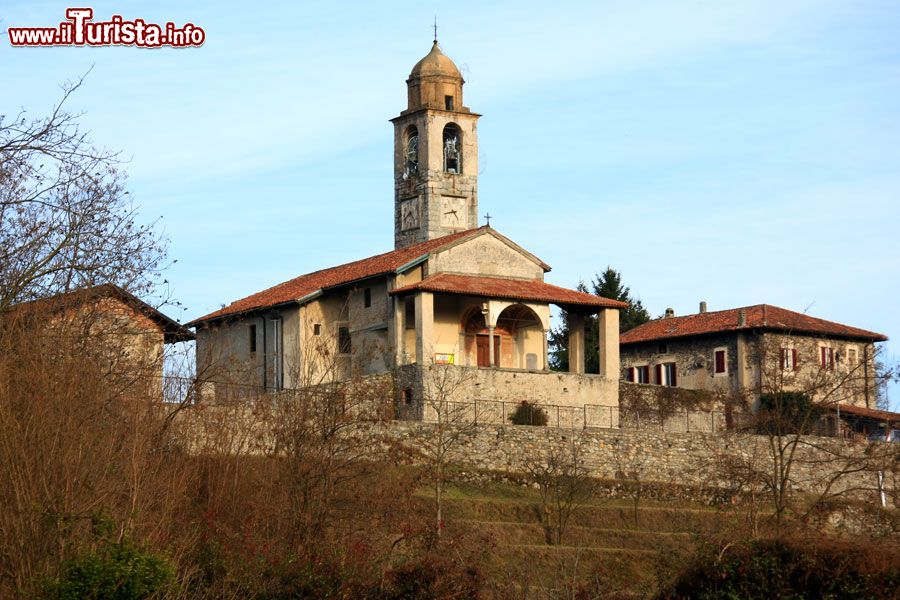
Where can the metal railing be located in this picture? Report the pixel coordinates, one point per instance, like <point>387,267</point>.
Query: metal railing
<point>498,412</point>
<point>588,416</point>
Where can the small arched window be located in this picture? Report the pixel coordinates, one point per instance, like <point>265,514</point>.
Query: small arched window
<point>412,151</point>
<point>452,149</point>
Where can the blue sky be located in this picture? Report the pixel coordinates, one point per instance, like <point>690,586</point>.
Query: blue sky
<point>733,152</point>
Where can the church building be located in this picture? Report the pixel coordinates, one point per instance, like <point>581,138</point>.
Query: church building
<point>451,292</point>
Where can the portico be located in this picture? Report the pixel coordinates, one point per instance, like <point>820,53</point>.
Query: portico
<point>496,323</point>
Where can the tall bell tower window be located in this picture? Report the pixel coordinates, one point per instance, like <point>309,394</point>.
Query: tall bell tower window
<point>452,149</point>
<point>412,151</point>
<point>448,102</point>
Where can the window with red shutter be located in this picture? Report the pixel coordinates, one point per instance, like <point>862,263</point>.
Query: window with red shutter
<point>659,375</point>
<point>642,374</point>
<point>827,356</point>
<point>788,359</point>
<point>720,361</point>
<point>668,374</point>
<point>629,374</point>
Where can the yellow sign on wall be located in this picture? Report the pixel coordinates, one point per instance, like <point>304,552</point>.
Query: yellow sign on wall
<point>443,359</point>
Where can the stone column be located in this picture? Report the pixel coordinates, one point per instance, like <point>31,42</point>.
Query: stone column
<point>397,332</point>
<point>546,351</point>
<point>576,342</point>
<point>491,346</point>
<point>424,327</point>
<point>609,343</point>
<point>740,375</point>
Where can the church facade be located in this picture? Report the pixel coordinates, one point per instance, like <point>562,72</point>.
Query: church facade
<point>450,293</point>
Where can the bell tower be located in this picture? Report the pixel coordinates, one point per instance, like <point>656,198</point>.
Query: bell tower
<point>435,155</point>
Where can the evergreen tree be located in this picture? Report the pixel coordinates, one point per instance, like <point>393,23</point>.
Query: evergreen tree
<point>608,285</point>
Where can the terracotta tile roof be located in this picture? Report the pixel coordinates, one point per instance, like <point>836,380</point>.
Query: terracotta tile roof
<point>513,289</point>
<point>295,289</point>
<point>761,316</point>
<point>871,413</point>
<point>173,331</point>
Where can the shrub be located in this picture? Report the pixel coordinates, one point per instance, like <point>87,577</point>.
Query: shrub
<point>432,576</point>
<point>527,413</point>
<point>791,568</point>
<point>786,412</point>
<point>116,571</point>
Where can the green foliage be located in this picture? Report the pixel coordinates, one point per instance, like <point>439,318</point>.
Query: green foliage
<point>114,571</point>
<point>782,413</point>
<point>527,413</point>
<point>790,568</point>
<point>607,285</point>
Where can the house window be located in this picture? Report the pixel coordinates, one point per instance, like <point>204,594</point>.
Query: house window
<point>662,348</point>
<point>367,297</point>
<point>407,396</point>
<point>852,357</point>
<point>629,374</point>
<point>789,359</point>
<point>666,374</point>
<point>448,102</point>
<point>826,357</point>
<point>344,345</point>
<point>642,374</point>
<point>720,361</point>
<point>317,329</point>
<point>253,338</point>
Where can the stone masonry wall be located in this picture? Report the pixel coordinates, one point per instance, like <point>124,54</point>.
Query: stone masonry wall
<point>651,456</point>
<point>693,459</point>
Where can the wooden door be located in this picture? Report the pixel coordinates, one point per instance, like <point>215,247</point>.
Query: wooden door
<point>483,351</point>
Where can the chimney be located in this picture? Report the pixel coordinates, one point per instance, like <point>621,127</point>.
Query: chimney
<point>670,312</point>
<point>742,318</point>
<point>702,307</point>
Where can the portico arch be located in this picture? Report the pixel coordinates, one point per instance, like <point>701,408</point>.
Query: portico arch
<point>513,338</point>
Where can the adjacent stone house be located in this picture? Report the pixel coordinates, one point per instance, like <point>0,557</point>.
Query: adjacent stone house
<point>107,324</point>
<point>451,293</point>
<point>754,349</point>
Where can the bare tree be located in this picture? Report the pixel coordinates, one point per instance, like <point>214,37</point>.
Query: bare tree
<point>450,419</point>
<point>66,221</point>
<point>563,482</point>
<point>631,466</point>
<point>783,448</point>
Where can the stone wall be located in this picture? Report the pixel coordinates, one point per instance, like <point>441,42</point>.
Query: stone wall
<point>698,460</point>
<point>694,459</point>
<point>513,386</point>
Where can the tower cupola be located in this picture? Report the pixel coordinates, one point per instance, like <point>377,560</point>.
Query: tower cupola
<point>435,82</point>
<point>435,155</point>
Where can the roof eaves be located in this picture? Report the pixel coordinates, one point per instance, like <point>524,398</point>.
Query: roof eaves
<point>242,313</point>
<point>310,297</point>
<point>413,263</point>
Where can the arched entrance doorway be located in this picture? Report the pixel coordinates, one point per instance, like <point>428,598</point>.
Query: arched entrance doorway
<point>478,345</point>
<point>517,338</point>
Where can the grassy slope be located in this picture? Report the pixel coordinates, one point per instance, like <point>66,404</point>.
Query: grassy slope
<point>629,548</point>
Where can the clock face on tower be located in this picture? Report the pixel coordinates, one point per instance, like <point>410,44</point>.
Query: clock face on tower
<point>409,214</point>
<point>454,212</point>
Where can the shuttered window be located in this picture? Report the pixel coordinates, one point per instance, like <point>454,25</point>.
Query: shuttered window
<point>720,361</point>
<point>827,357</point>
<point>789,359</point>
